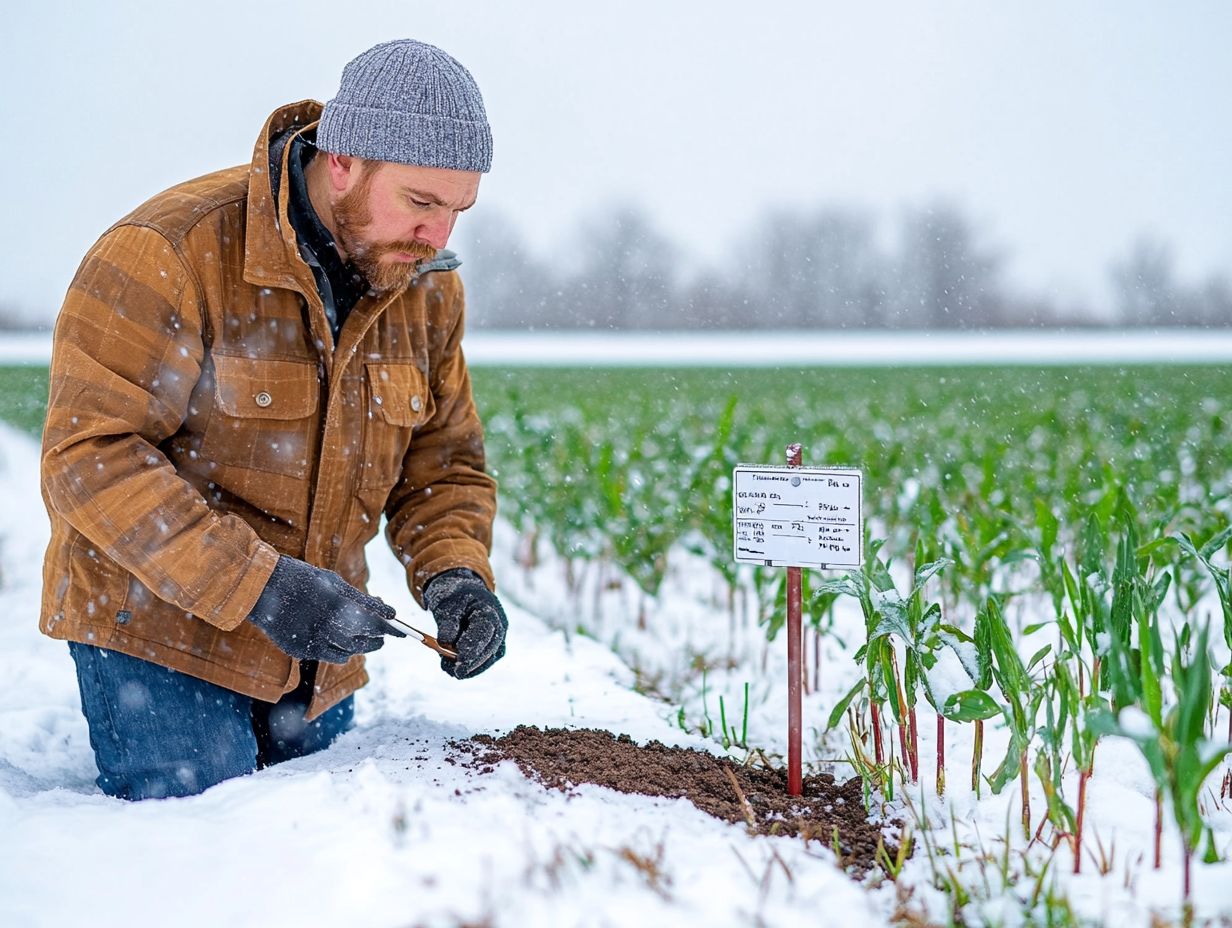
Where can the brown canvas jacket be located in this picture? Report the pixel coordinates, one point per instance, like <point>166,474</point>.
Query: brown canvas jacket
<point>201,422</point>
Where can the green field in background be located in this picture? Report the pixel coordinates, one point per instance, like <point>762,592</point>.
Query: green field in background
<point>1007,399</point>
<point>643,456</point>
<point>23,397</point>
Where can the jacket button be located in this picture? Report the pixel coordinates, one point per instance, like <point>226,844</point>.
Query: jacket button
<point>416,403</point>
<point>263,399</point>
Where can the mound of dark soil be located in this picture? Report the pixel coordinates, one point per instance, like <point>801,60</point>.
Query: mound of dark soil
<point>754,796</point>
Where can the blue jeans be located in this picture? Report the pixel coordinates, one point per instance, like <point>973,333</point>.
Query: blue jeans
<point>158,733</point>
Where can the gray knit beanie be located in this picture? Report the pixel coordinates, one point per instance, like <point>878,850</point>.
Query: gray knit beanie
<point>411,103</point>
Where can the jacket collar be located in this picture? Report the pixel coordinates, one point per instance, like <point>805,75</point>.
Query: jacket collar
<point>271,257</point>
<point>445,260</point>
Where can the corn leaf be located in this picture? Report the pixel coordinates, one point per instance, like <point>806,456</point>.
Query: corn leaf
<point>969,706</point>
<point>927,572</point>
<point>1038,656</point>
<point>1215,543</point>
<point>1151,668</point>
<point>836,716</point>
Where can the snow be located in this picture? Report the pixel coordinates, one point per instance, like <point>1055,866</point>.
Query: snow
<point>949,675</point>
<point>771,348</point>
<point>25,347</point>
<point>1136,723</point>
<point>381,829</point>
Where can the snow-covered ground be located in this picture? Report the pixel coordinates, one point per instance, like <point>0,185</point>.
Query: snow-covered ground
<point>831,349</point>
<point>689,625</point>
<point>848,349</point>
<point>381,829</point>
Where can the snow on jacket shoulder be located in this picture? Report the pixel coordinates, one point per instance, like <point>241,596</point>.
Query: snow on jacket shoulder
<point>201,421</point>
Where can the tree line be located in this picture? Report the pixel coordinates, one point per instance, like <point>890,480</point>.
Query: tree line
<point>805,269</point>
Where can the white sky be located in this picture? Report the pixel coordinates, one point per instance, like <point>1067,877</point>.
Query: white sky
<point>1065,129</point>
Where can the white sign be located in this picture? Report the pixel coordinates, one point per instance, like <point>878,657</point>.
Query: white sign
<point>798,516</point>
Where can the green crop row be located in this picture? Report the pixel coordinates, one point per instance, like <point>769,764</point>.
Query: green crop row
<point>622,465</point>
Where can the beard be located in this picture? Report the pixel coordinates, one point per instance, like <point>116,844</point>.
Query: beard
<point>352,217</point>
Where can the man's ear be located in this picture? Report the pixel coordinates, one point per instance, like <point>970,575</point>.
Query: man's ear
<point>341,169</point>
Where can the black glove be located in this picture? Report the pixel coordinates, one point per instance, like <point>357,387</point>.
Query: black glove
<point>469,619</point>
<point>313,614</point>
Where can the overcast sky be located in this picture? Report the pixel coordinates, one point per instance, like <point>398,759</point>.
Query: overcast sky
<point>1065,129</point>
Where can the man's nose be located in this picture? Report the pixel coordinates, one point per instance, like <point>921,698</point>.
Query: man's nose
<point>435,231</point>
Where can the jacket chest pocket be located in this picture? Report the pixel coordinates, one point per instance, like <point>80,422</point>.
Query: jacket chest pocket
<point>397,400</point>
<point>264,415</point>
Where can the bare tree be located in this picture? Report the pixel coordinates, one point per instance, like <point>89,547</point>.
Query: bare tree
<point>1212,303</point>
<point>812,269</point>
<point>944,279</point>
<point>626,276</point>
<point>1145,284</point>
<point>506,287</point>
<point>1150,293</point>
<point>13,319</point>
<point>801,269</point>
<point>714,301</point>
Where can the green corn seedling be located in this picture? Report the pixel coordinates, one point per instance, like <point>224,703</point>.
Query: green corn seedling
<point>1151,670</point>
<point>1085,590</point>
<point>1134,670</point>
<point>728,735</point>
<point>918,627</point>
<point>916,624</point>
<point>1078,709</point>
<point>1022,701</point>
<point>1048,527</point>
<point>1222,578</point>
<point>1050,759</point>
<point>864,585</point>
<point>1136,598</point>
<point>923,636</point>
<point>976,705</point>
<point>1178,752</point>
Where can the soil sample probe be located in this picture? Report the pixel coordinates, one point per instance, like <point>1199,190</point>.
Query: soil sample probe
<point>426,640</point>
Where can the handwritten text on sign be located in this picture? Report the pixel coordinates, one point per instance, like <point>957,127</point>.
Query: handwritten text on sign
<point>798,516</point>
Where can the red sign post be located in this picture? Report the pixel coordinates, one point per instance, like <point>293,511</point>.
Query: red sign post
<point>795,647</point>
<point>796,517</point>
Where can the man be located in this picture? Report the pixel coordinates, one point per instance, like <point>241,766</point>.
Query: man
<point>249,370</point>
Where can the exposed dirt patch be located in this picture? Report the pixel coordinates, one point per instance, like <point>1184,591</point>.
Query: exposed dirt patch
<point>754,796</point>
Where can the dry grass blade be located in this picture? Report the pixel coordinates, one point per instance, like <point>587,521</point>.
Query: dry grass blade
<point>650,867</point>
<point>744,803</point>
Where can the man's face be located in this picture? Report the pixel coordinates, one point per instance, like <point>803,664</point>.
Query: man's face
<point>391,217</point>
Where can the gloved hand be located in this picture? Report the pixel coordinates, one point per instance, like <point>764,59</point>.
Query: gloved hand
<point>313,614</point>
<point>469,619</point>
